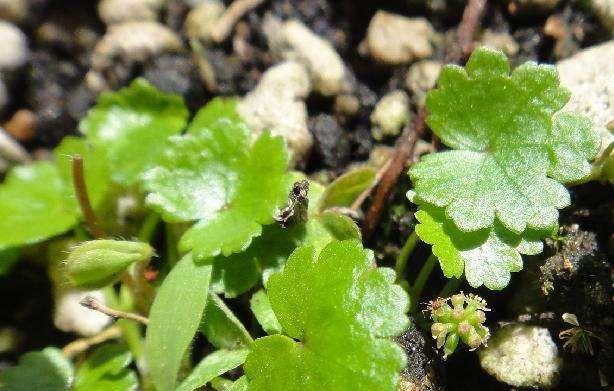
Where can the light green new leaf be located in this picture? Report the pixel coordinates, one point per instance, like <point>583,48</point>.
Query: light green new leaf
<point>107,369</point>
<point>33,205</point>
<point>343,328</point>
<point>212,174</point>
<point>511,152</point>
<point>45,370</point>
<point>345,189</point>
<point>132,125</point>
<point>95,169</point>
<point>174,319</point>
<point>221,327</point>
<point>215,364</point>
<point>262,310</point>
<point>487,257</point>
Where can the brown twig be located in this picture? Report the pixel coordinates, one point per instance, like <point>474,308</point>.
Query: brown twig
<point>402,152</point>
<point>405,144</point>
<point>233,14</point>
<point>472,15</point>
<point>82,344</point>
<point>93,304</point>
<point>84,200</point>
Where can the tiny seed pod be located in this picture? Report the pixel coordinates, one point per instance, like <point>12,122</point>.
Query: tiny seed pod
<point>97,263</point>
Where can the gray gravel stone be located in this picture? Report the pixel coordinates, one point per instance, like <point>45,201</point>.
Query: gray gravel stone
<point>522,356</point>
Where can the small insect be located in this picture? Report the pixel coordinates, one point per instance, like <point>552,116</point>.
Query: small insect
<point>298,203</point>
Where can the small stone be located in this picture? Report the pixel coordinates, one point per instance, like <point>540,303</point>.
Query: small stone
<point>134,41</point>
<point>588,75</point>
<point>14,48</point>
<point>71,317</point>
<point>331,142</point>
<point>390,115</point>
<point>292,40</point>
<point>421,77</point>
<point>522,356</point>
<point>22,125</point>
<point>604,9</point>
<point>176,74</point>
<point>277,104</point>
<point>395,39</point>
<point>118,11</point>
<point>501,41</point>
<point>380,155</point>
<point>201,19</point>
<point>14,10</point>
<point>346,105</point>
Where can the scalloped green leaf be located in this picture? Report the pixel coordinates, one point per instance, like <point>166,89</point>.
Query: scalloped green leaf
<point>214,175</point>
<point>33,205</point>
<point>107,369</point>
<point>486,257</point>
<point>45,370</point>
<point>512,150</point>
<point>131,125</point>
<point>337,336</point>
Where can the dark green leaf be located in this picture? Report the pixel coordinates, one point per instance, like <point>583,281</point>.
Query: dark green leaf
<point>221,327</point>
<point>46,370</point>
<point>107,369</point>
<point>215,364</point>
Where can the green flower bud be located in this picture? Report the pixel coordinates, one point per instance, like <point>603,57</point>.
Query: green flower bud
<point>97,263</point>
<point>461,321</point>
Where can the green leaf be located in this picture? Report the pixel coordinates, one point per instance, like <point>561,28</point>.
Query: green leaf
<point>132,126</point>
<point>45,370</point>
<point>107,369</point>
<point>511,153</point>
<point>221,327</point>
<point>33,205</point>
<point>345,189</point>
<point>174,318</point>
<point>215,364</point>
<point>487,257</point>
<point>343,329</point>
<point>212,174</point>
<point>95,168</point>
<point>241,384</point>
<point>262,310</point>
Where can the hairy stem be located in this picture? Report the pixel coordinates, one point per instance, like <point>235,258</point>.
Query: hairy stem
<point>93,304</point>
<point>82,344</point>
<point>84,200</point>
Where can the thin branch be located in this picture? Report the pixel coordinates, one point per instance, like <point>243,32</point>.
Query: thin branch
<point>233,14</point>
<point>84,200</point>
<point>93,304</point>
<point>367,192</point>
<point>472,16</point>
<point>82,344</point>
<point>404,148</point>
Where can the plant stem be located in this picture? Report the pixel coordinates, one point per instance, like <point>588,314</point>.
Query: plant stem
<point>82,344</point>
<point>423,275</point>
<point>404,255</point>
<point>148,228</point>
<point>84,200</point>
<point>451,286</point>
<point>93,304</point>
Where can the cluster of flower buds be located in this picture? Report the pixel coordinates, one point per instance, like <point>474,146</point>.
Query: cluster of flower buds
<point>459,318</point>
